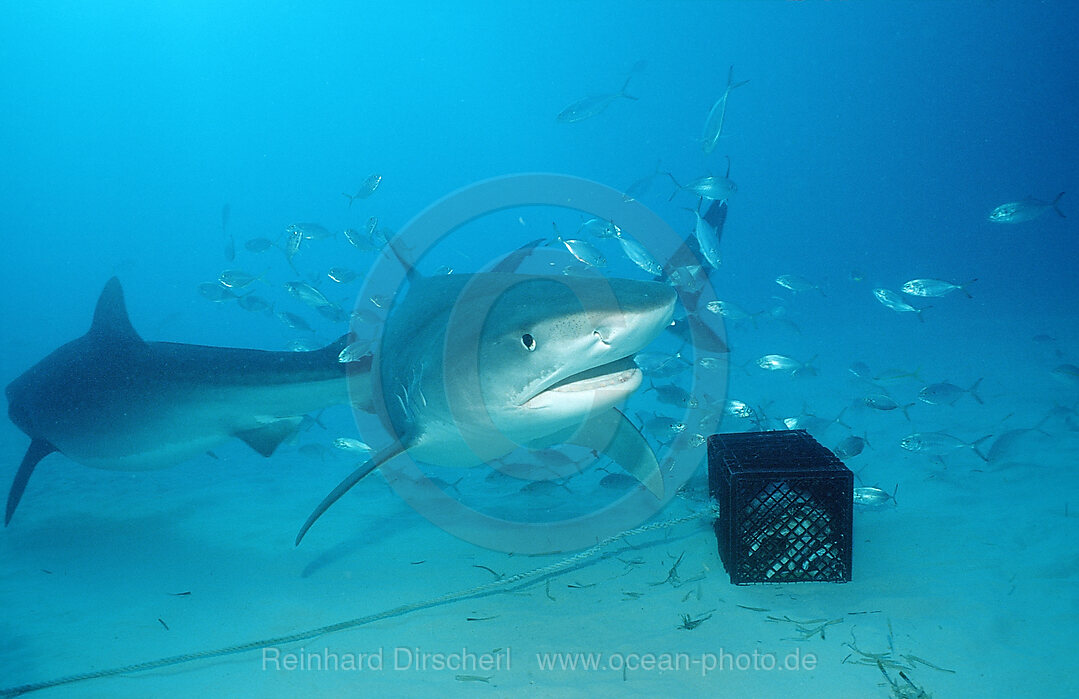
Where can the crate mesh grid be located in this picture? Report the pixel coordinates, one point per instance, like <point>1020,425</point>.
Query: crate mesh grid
<point>785,507</point>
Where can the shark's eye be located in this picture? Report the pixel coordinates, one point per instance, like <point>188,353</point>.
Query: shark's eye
<point>529,342</point>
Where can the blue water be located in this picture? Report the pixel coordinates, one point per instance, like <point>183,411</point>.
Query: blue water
<point>869,147</point>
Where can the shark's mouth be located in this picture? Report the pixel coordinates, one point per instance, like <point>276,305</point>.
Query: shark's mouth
<point>610,375</point>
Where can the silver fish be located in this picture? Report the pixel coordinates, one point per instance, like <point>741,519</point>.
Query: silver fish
<point>359,240</point>
<point>796,284</point>
<point>295,322</point>
<point>892,300</point>
<point>739,409</point>
<point>1026,210</point>
<point>938,444</point>
<point>861,370</point>
<point>375,234</point>
<point>366,189</point>
<point>728,309</point>
<point>711,363</point>
<point>873,498</point>
<point>292,245</point>
<point>948,393</point>
<point>591,106</point>
<point>302,345</point>
<point>254,303</point>
<point>712,187</point>
<point>312,231</point>
<point>663,428</point>
<point>850,447</point>
<point>879,401</point>
<point>617,481</point>
<point>583,250</point>
<point>672,394</point>
<point>934,288</point>
<point>237,279</point>
<point>365,316</point>
<point>713,125</point>
<point>689,278</point>
<point>599,228</point>
<point>639,255</point>
<point>640,187</point>
<point>354,352</point>
<point>307,293</point>
<point>660,365</point>
<point>216,292</point>
<point>814,424</point>
<point>780,362</point>
<point>342,275</point>
<point>333,313</point>
<point>352,445</point>
<point>708,240</point>
<point>1017,448</point>
<point>1068,373</point>
<point>257,245</point>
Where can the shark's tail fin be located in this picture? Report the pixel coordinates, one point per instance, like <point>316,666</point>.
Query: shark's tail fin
<point>344,486</point>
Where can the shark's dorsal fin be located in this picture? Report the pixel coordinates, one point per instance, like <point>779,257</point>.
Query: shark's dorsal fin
<point>397,247</point>
<point>39,449</point>
<point>110,316</point>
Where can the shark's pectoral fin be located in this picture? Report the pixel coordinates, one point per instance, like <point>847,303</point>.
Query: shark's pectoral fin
<point>344,486</point>
<point>267,438</point>
<point>38,450</point>
<point>611,433</point>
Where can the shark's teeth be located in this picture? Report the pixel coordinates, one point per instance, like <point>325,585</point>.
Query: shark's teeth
<point>611,374</point>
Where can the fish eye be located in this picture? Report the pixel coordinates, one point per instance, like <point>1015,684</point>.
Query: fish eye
<point>529,342</point>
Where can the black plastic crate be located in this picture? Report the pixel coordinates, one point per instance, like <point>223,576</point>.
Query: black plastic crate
<point>785,507</point>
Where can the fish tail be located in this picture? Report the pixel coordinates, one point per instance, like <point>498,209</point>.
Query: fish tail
<point>1057,208</point>
<point>625,86</point>
<point>964,285</point>
<point>973,392</point>
<point>730,80</point>
<point>669,174</point>
<point>974,446</point>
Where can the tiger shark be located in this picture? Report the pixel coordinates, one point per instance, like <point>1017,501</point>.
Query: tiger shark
<point>468,368</point>
<point>111,400</point>
<point>471,366</point>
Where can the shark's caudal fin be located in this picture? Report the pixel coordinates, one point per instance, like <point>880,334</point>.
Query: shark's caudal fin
<point>38,450</point>
<point>346,485</point>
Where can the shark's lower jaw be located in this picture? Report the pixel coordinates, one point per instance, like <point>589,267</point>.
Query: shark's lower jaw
<point>606,383</point>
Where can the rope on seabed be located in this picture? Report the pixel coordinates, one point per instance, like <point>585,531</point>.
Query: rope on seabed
<point>363,620</point>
